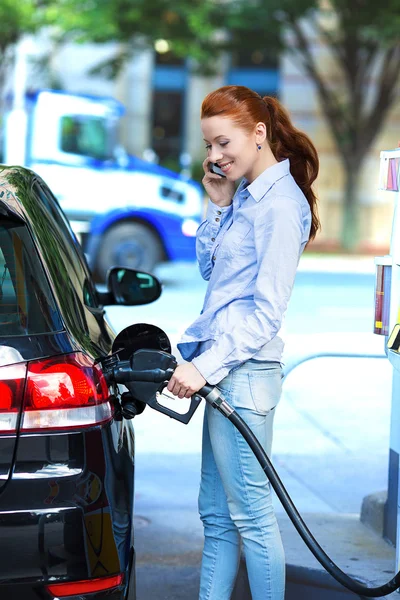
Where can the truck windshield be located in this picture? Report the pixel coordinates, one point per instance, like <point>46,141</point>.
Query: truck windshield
<point>86,135</point>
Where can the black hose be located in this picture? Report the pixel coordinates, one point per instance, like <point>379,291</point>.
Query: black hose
<point>295,517</point>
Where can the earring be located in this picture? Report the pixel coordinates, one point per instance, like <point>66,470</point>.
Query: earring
<point>258,147</point>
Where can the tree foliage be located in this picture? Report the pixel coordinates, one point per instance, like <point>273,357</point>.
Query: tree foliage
<point>17,19</point>
<point>190,26</point>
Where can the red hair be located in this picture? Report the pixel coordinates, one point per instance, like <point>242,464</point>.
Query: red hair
<point>247,108</point>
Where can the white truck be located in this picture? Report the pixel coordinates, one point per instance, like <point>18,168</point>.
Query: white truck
<point>125,210</point>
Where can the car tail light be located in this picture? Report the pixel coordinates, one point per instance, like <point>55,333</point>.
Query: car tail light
<point>12,381</point>
<point>65,392</point>
<point>87,586</point>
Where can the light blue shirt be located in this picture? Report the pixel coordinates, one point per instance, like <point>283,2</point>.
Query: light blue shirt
<point>249,252</point>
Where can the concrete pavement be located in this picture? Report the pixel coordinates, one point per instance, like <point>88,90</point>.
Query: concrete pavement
<point>169,554</point>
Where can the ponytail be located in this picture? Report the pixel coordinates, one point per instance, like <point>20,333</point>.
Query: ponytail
<point>288,142</point>
<point>247,108</point>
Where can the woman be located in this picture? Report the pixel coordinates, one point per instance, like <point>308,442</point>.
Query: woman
<point>248,249</point>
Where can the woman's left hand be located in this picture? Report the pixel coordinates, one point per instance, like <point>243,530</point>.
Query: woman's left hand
<point>185,381</point>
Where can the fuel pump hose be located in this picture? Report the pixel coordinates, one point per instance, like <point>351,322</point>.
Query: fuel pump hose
<point>213,396</point>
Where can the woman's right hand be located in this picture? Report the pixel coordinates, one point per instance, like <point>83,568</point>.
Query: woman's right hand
<point>219,189</point>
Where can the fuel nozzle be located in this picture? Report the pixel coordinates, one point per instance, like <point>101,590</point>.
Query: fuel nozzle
<point>145,367</point>
<point>146,374</point>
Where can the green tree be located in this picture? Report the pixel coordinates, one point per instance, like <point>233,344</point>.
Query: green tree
<point>17,19</point>
<point>362,37</point>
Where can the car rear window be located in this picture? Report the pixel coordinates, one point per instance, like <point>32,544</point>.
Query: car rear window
<point>26,303</point>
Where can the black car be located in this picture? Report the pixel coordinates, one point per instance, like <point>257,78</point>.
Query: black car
<point>66,454</point>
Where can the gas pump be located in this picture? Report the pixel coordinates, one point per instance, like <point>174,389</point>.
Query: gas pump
<point>387,323</point>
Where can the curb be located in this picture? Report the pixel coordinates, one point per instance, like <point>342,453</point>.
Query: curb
<point>373,511</point>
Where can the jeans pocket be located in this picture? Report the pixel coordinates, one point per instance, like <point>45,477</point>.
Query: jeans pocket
<point>265,389</point>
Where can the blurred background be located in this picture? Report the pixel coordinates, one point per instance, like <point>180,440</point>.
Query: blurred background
<point>133,74</point>
<point>334,64</point>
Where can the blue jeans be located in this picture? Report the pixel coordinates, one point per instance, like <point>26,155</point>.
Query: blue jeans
<point>235,496</point>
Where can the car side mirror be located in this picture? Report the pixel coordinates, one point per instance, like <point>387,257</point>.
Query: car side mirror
<point>128,287</point>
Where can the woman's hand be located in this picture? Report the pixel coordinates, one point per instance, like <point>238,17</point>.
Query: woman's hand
<point>185,381</point>
<point>219,189</point>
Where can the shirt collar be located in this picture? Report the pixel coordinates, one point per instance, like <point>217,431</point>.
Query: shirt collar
<point>264,182</point>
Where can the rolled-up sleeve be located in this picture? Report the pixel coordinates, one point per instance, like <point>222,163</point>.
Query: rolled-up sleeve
<point>280,234</point>
<point>207,236</point>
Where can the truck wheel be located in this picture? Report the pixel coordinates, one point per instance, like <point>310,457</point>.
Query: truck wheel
<point>130,245</point>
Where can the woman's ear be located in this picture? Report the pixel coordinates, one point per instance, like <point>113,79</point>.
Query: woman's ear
<point>261,132</point>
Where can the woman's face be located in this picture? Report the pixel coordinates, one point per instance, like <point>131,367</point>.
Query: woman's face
<point>231,147</point>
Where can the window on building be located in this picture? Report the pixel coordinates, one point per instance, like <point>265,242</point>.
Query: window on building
<point>261,58</point>
<point>167,124</point>
<point>256,67</point>
<point>169,58</point>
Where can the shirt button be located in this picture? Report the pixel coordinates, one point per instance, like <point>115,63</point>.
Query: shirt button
<point>213,239</point>
<point>214,258</point>
<point>219,212</point>
<point>217,219</point>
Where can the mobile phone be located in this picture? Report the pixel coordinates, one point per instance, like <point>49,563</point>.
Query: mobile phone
<point>215,169</point>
